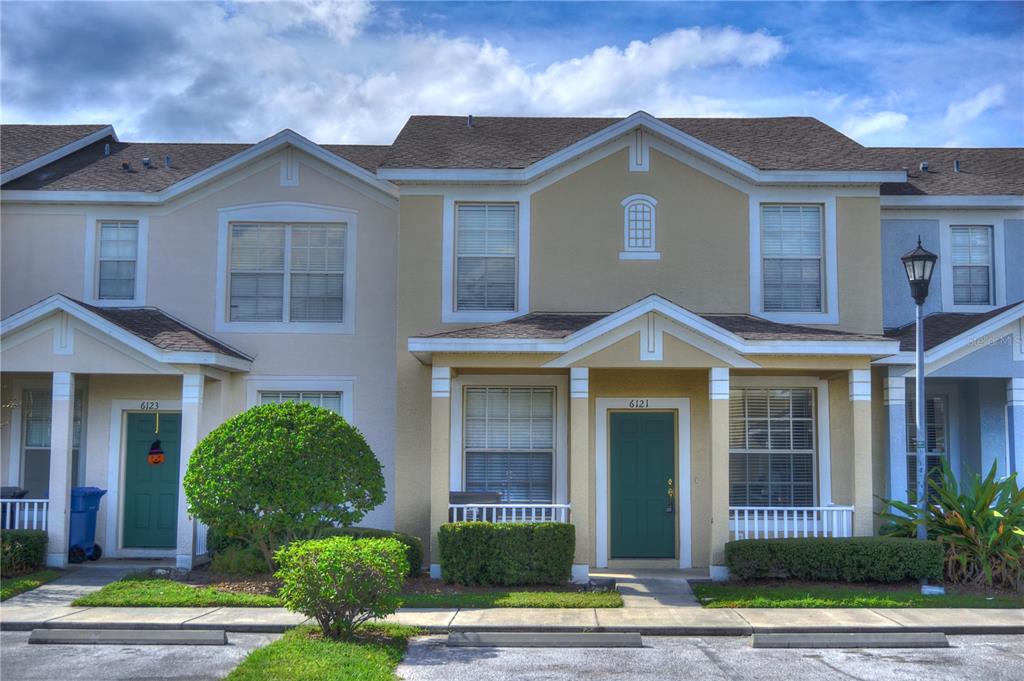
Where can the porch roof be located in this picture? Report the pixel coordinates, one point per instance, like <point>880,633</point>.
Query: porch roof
<point>940,327</point>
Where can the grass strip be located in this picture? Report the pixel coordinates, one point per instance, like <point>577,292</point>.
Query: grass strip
<point>12,586</point>
<point>833,596</point>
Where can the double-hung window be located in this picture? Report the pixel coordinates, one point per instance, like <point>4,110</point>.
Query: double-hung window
<point>118,259</point>
<point>771,447</point>
<point>508,442</point>
<point>287,272</point>
<point>35,467</point>
<point>328,399</point>
<point>485,256</point>
<point>936,442</point>
<point>792,260</point>
<point>972,265</point>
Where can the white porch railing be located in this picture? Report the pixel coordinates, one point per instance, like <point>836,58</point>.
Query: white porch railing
<point>509,513</point>
<point>24,514</point>
<point>760,522</point>
<point>200,548</point>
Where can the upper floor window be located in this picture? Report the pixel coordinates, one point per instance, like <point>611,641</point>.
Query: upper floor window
<point>327,399</point>
<point>972,265</point>
<point>485,256</point>
<point>287,272</point>
<point>118,257</point>
<point>639,228</point>
<point>792,257</point>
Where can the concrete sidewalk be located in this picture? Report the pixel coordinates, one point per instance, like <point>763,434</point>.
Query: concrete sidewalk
<point>664,621</point>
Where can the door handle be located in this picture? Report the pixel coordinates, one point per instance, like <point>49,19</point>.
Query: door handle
<point>671,493</point>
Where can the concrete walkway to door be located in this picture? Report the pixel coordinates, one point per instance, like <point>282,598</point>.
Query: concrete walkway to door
<point>77,581</point>
<point>653,588</point>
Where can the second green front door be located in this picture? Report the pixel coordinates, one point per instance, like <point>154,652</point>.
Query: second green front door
<point>643,514</point>
<point>151,490</point>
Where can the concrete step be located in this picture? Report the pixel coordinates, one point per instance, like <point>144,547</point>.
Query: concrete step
<point>508,639</point>
<point>129,637</point>
<point>863,640</point>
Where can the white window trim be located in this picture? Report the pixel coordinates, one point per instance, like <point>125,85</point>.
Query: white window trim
<point>16,462</point>
<point>636,253</point>
<point>823,436</point>
<point>602,448</point>
<point>286,212</point>
<point>946,225</point>
<point>830,273</point>
<point>560,382</point>
<point>91,284</point>
<point>343,384</point>
<point>477,195</point>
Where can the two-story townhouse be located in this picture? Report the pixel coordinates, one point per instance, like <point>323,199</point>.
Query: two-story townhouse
<point>151,291</point>
<point>670,332</point>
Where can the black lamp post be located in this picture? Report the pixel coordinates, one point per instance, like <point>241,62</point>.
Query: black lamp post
<point>920,264</point>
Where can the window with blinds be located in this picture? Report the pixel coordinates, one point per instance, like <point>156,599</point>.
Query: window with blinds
<point>118,259</point>
<point>306,286</point>
<point>639,226</point>
<point>35,468</point>
<point>792,261</point>
<point>972,265</point>
<point>508,442</point>
<point>318,398</point>
<point>936,445</point>
<point>485,256</point>
<point>771,447</point>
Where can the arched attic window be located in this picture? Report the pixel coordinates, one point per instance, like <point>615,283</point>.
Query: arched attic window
<point>639,228</point>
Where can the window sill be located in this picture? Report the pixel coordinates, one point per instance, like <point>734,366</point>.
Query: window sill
<point>799,317</point>
<point>970,308</point>
<point>344,328</point>
<point>115,302</point>
<point>481,316</point>
<point>639,255</point>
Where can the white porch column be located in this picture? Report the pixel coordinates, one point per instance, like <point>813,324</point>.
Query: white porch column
<point>896,411</point>
<point>1015,425</point>
<point>860,423</point>
<point>191,411</point>
<point>440,458</point>
<point>718,431</point>
<point>61,414</point>
<point>579,470</point>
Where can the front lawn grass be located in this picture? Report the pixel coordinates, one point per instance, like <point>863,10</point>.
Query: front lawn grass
<point>840,596</point>
<point>303,654</point>
<point>140,591</point>
<point>12,586</point>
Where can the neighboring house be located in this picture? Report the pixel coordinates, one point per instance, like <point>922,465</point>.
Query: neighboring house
<point>671,332</point>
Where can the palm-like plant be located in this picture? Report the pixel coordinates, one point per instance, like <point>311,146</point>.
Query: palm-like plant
<point>981,526</point>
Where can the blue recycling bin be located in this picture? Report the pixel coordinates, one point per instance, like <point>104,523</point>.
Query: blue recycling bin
<point>85,502</point>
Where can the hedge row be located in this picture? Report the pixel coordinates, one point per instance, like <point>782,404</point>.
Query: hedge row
<point>853,559</point>
<point>21,551</point>
<point>507,553</point>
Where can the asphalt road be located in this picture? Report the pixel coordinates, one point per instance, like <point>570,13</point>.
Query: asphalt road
<point>22,662</point>
<point>991,658</point>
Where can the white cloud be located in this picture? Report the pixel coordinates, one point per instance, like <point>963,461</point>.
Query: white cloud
<point>863,128</point>
<point>340,19</point>
<point>959,113</point>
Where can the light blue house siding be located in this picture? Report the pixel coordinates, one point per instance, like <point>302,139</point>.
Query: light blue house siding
<point>898,237</point>
<point>1014,236</point>
<point>991,360</point>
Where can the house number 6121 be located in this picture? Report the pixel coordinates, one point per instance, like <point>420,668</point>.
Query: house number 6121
<point>639,404</point>
<point>149,406</point>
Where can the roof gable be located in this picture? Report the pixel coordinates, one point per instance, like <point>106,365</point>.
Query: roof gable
<point>28,147</point>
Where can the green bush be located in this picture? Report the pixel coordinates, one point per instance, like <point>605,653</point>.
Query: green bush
<point>342,582</point>
<point>980,526</point>
<point>835,559</point>
<point>413,545</point>
<point>281,472</point>
<point>218,542</point>
<point>21,551</point>
<point>236,560</point>
<point>507,553</point>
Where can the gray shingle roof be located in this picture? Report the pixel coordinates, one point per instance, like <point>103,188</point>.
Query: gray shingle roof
<point>996,171</point>
<point>20,144</point>
<point>162,330</point>
<point>942,326</point>
<point>557,325</point>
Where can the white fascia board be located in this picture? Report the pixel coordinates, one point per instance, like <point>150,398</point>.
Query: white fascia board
<point>952,201</point>
<point>983,329</point>
<point>271,144</point>
<point>57,154</point>
<point>652,124</point>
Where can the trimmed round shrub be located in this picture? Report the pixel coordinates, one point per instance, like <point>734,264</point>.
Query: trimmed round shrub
<point>22,551</point>
<point>342,582</point>
<point>277,473</point>
<point>413,545</point>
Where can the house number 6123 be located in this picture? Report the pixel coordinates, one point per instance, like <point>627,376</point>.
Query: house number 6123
<point>639,404</point>
<point>149,405</point>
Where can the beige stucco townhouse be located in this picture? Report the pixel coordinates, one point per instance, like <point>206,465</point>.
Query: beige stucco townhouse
<point>669,332</point>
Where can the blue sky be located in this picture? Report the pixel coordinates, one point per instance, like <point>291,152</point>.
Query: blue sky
<point>921,74</point>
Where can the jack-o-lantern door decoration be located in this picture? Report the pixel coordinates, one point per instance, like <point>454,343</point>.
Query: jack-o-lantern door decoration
<point>156,454</point>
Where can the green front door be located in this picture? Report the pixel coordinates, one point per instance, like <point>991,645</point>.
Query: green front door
<point>151,490</point>
<point>643,515</point>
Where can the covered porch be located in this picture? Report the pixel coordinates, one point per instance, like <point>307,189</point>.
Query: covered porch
<point>660,434</point>
<point>87,393</point>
